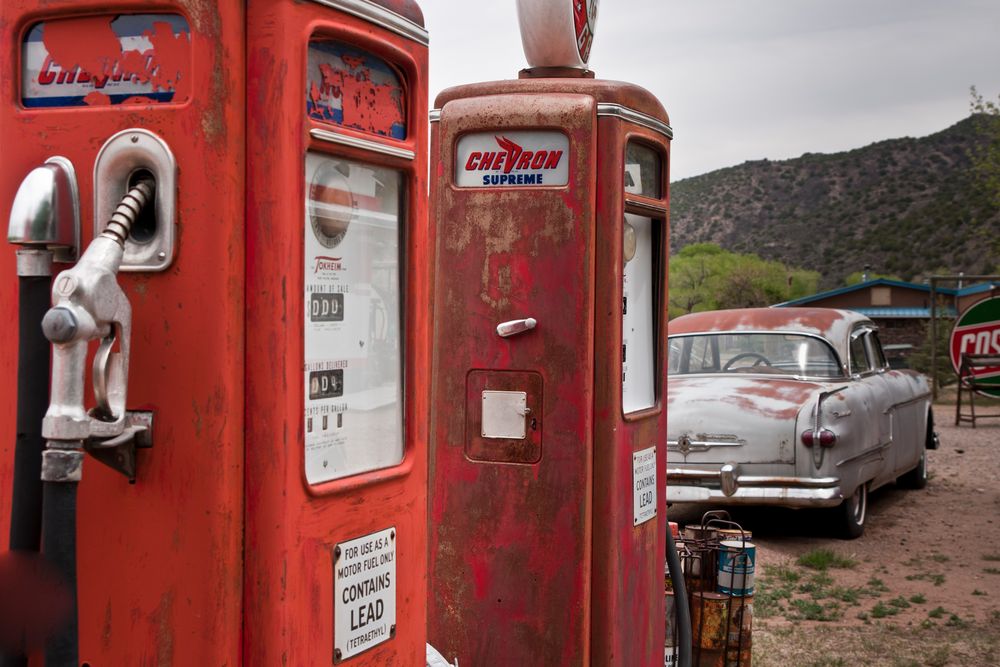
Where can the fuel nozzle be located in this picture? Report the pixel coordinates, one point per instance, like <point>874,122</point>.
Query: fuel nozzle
<point>88,304</point>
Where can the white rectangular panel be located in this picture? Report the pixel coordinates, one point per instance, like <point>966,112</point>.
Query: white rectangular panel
<point>512,159</point>
<point>504,414</point>
<point>644,494</point>
<point>352,374</point>
<point>364,604</point>
<point>638,321</point>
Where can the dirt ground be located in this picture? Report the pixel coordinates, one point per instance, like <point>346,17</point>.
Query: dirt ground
<point>921,587</point>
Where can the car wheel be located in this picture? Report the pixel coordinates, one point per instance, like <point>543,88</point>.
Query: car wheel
<point>916,478</point>
<point>853,512</point>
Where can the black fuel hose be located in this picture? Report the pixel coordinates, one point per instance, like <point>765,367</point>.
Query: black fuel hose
<point>681,602</point>
<point>61,470</point>
<point>59,520</point>
<point>32,401</point>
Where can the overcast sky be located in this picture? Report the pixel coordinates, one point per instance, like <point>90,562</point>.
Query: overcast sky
<point>752,79</point>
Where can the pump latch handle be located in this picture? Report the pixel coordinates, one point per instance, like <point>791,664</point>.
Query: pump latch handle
<point>506,329</point>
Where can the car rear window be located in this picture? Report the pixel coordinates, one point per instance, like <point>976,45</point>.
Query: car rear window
<point>770,353</point>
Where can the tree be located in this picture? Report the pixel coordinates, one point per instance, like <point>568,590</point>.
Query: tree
<point>986,157</point>
<point>703,276</point>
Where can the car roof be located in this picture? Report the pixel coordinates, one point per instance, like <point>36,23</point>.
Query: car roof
<point>829,323</point>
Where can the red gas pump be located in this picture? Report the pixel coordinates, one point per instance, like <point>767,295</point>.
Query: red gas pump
<point>247,342</point>
<point>550,199</point>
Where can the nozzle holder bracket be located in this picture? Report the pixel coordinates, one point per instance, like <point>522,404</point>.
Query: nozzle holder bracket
<point>121,156</point>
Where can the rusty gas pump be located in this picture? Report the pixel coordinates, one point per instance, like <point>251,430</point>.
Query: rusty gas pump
<point>241,337</point>
<point>550,202</point>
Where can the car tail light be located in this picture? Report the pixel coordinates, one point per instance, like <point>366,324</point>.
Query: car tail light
<point>827,438</point>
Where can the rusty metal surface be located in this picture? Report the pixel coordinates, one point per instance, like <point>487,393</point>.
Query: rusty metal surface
<point>510,544</point>
<point>291,527</point>
<point>405,8</point>
<point>628,560</point>
<point>159,562</point>
<point>603,91</point>
<point>553,254</point>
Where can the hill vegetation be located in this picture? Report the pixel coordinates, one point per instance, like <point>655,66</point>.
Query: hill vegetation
<point>906,207</point>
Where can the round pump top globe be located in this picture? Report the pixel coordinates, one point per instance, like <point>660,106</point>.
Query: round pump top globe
<point>557,33</point>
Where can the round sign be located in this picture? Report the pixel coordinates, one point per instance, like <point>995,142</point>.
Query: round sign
<point>977,331</point>
<point>557,33</point>
<point>584,19</point>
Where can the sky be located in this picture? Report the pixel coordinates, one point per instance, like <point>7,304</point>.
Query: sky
<point>752,79</point>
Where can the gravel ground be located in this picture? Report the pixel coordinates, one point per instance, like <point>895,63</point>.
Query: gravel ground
<point>921,587</point>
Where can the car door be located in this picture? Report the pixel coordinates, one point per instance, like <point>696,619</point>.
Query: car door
<point>905,422</point>
<point>874,456</point>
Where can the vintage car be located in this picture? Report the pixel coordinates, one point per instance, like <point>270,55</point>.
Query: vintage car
<point>794,407</point>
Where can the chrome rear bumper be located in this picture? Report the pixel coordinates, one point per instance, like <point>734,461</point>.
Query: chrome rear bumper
<point>726,486</point>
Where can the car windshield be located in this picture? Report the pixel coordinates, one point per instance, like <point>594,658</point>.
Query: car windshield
<point>773,353</point>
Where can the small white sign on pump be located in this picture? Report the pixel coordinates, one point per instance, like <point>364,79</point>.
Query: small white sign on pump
<point>364,605</point>
<point>644,495</point>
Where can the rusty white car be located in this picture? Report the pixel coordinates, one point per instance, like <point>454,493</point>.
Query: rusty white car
<point>794,407</point>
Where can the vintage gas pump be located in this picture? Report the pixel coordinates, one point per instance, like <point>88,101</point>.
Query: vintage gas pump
<point>243,340</point>
<point>549,196</point>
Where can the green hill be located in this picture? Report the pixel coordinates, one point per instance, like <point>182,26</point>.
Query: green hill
<point>908,207</point>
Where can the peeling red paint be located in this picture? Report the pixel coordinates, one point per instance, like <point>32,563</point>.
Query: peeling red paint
<point>89,51</point>
<point>365,105</point>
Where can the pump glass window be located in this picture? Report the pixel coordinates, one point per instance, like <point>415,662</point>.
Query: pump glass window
<point>640,251</point>
<point>352,371</point>
<point>643,171</point>
<point>352,88</point>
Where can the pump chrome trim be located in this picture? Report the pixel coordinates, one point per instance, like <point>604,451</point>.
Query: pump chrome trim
<point>363,144</point>
<point>381,17</point>
<point>434,115</point>
<point>645,206</point>
<point>633,116</point>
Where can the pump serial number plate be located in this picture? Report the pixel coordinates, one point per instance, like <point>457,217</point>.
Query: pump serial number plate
<point>364,605</point>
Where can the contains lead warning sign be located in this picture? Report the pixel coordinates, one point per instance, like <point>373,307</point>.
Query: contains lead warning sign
<point>364,605</point>
<point>644,485</point>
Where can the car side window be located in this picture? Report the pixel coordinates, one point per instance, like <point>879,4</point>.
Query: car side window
<point>880,361</point>
<point>859,354</point>
<point>702,355</point>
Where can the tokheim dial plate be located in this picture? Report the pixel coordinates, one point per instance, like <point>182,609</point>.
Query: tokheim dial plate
<point>331,204</point>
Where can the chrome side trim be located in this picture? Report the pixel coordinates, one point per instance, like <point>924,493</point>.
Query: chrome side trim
<point>870,452</point>
<point>701,445</point>
<point>434,115</point>
<point>633,116</point>
<point>363,144</point>
<point>381,17</point>
<point>915,399</point>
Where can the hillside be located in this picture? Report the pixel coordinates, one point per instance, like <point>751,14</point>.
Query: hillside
<point>907,207</point>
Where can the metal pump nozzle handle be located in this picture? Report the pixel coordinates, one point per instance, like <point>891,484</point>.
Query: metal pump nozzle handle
<point>89,304</point>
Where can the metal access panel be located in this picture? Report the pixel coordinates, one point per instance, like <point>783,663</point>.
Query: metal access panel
<point>510,537</point>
